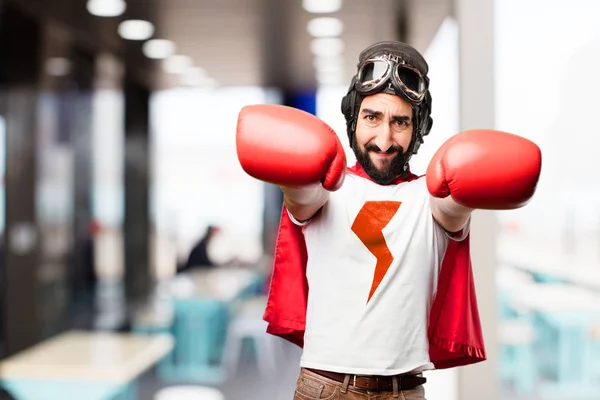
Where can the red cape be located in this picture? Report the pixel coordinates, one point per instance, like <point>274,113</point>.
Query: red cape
<point>454,330</point>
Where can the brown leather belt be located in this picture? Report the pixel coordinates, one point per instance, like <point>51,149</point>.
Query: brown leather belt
<point>375,382</point>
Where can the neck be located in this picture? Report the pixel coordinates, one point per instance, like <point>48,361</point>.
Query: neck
<point>357,169</point>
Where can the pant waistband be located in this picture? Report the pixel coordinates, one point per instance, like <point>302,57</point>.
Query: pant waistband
<point>375,382</point>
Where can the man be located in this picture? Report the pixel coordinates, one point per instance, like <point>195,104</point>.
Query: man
<point>372,271</point>
<point>199,257</point>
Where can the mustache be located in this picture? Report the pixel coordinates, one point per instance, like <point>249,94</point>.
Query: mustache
<point>393,149</point>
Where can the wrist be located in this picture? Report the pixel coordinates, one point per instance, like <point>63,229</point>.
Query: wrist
<point>455,209</point>
<point>303,196</point>
<point>303,203</point>
<point>451,215</point>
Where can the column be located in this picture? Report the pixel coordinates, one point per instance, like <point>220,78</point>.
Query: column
<point>19,46</point>
<point>136,222</point>
<point>476,69</point>
<point>82,272</point>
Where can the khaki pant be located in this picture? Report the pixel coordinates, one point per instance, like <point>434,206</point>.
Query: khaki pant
<point>311,386</point>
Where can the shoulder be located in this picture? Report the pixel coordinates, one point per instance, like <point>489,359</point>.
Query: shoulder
<point>353,181</point>
<point>415,186</point>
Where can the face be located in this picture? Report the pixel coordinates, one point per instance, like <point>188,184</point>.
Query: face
<point>383,133</point>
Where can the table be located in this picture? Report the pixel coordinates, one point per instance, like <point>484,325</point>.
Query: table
<point>83,365</point>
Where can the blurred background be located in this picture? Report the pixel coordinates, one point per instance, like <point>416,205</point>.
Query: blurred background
<point>135,253</point>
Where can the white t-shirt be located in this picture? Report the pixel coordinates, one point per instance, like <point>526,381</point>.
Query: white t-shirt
<point>347,329</point>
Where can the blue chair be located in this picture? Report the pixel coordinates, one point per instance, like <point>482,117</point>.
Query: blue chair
<point>573,363</point>
<point>517,360</point>
<point>199,328</point>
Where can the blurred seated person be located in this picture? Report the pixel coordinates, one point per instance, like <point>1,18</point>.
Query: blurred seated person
<point>199,257</point>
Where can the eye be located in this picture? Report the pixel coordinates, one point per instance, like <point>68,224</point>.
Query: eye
<point>401,123</point>
<point>370,118</point>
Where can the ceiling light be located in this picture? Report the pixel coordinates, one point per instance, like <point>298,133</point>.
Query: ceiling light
<point>158,48</point>
<point>325,63</point>
<point>322,6</point>
<point>327,46</point>
<point>197,72</point>
<point>57,66</point>
<point>325,27</point>
<point>198,81</point>
<point>106,8</point>
<point>195,76</point>
<point>210,83</point>
<point>177,64</point>
<point>329,78</point>
<point>136,29</point>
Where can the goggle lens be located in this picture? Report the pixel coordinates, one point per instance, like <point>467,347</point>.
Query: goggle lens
<point>374,70</point>
<point>375,73</point>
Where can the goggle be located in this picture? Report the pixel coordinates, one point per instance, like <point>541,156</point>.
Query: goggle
<point>376,72</point>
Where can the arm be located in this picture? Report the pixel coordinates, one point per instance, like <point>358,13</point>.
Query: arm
<point>304,203</point>
<point>292,149</point>
<point>449,214</point>
<point>482,169</point>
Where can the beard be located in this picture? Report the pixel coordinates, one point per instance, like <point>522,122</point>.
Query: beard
<point>391,168</point>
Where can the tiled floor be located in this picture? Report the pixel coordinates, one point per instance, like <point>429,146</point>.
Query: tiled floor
<point>247,383</point>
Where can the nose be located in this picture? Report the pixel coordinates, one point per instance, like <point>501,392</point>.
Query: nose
<point>384,138</point>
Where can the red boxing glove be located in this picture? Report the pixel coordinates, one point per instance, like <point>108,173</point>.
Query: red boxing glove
<point>485,169</point>
<point>289,147</point>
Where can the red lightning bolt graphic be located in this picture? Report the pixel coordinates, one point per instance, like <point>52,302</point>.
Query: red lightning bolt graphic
<point>368,226</point>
